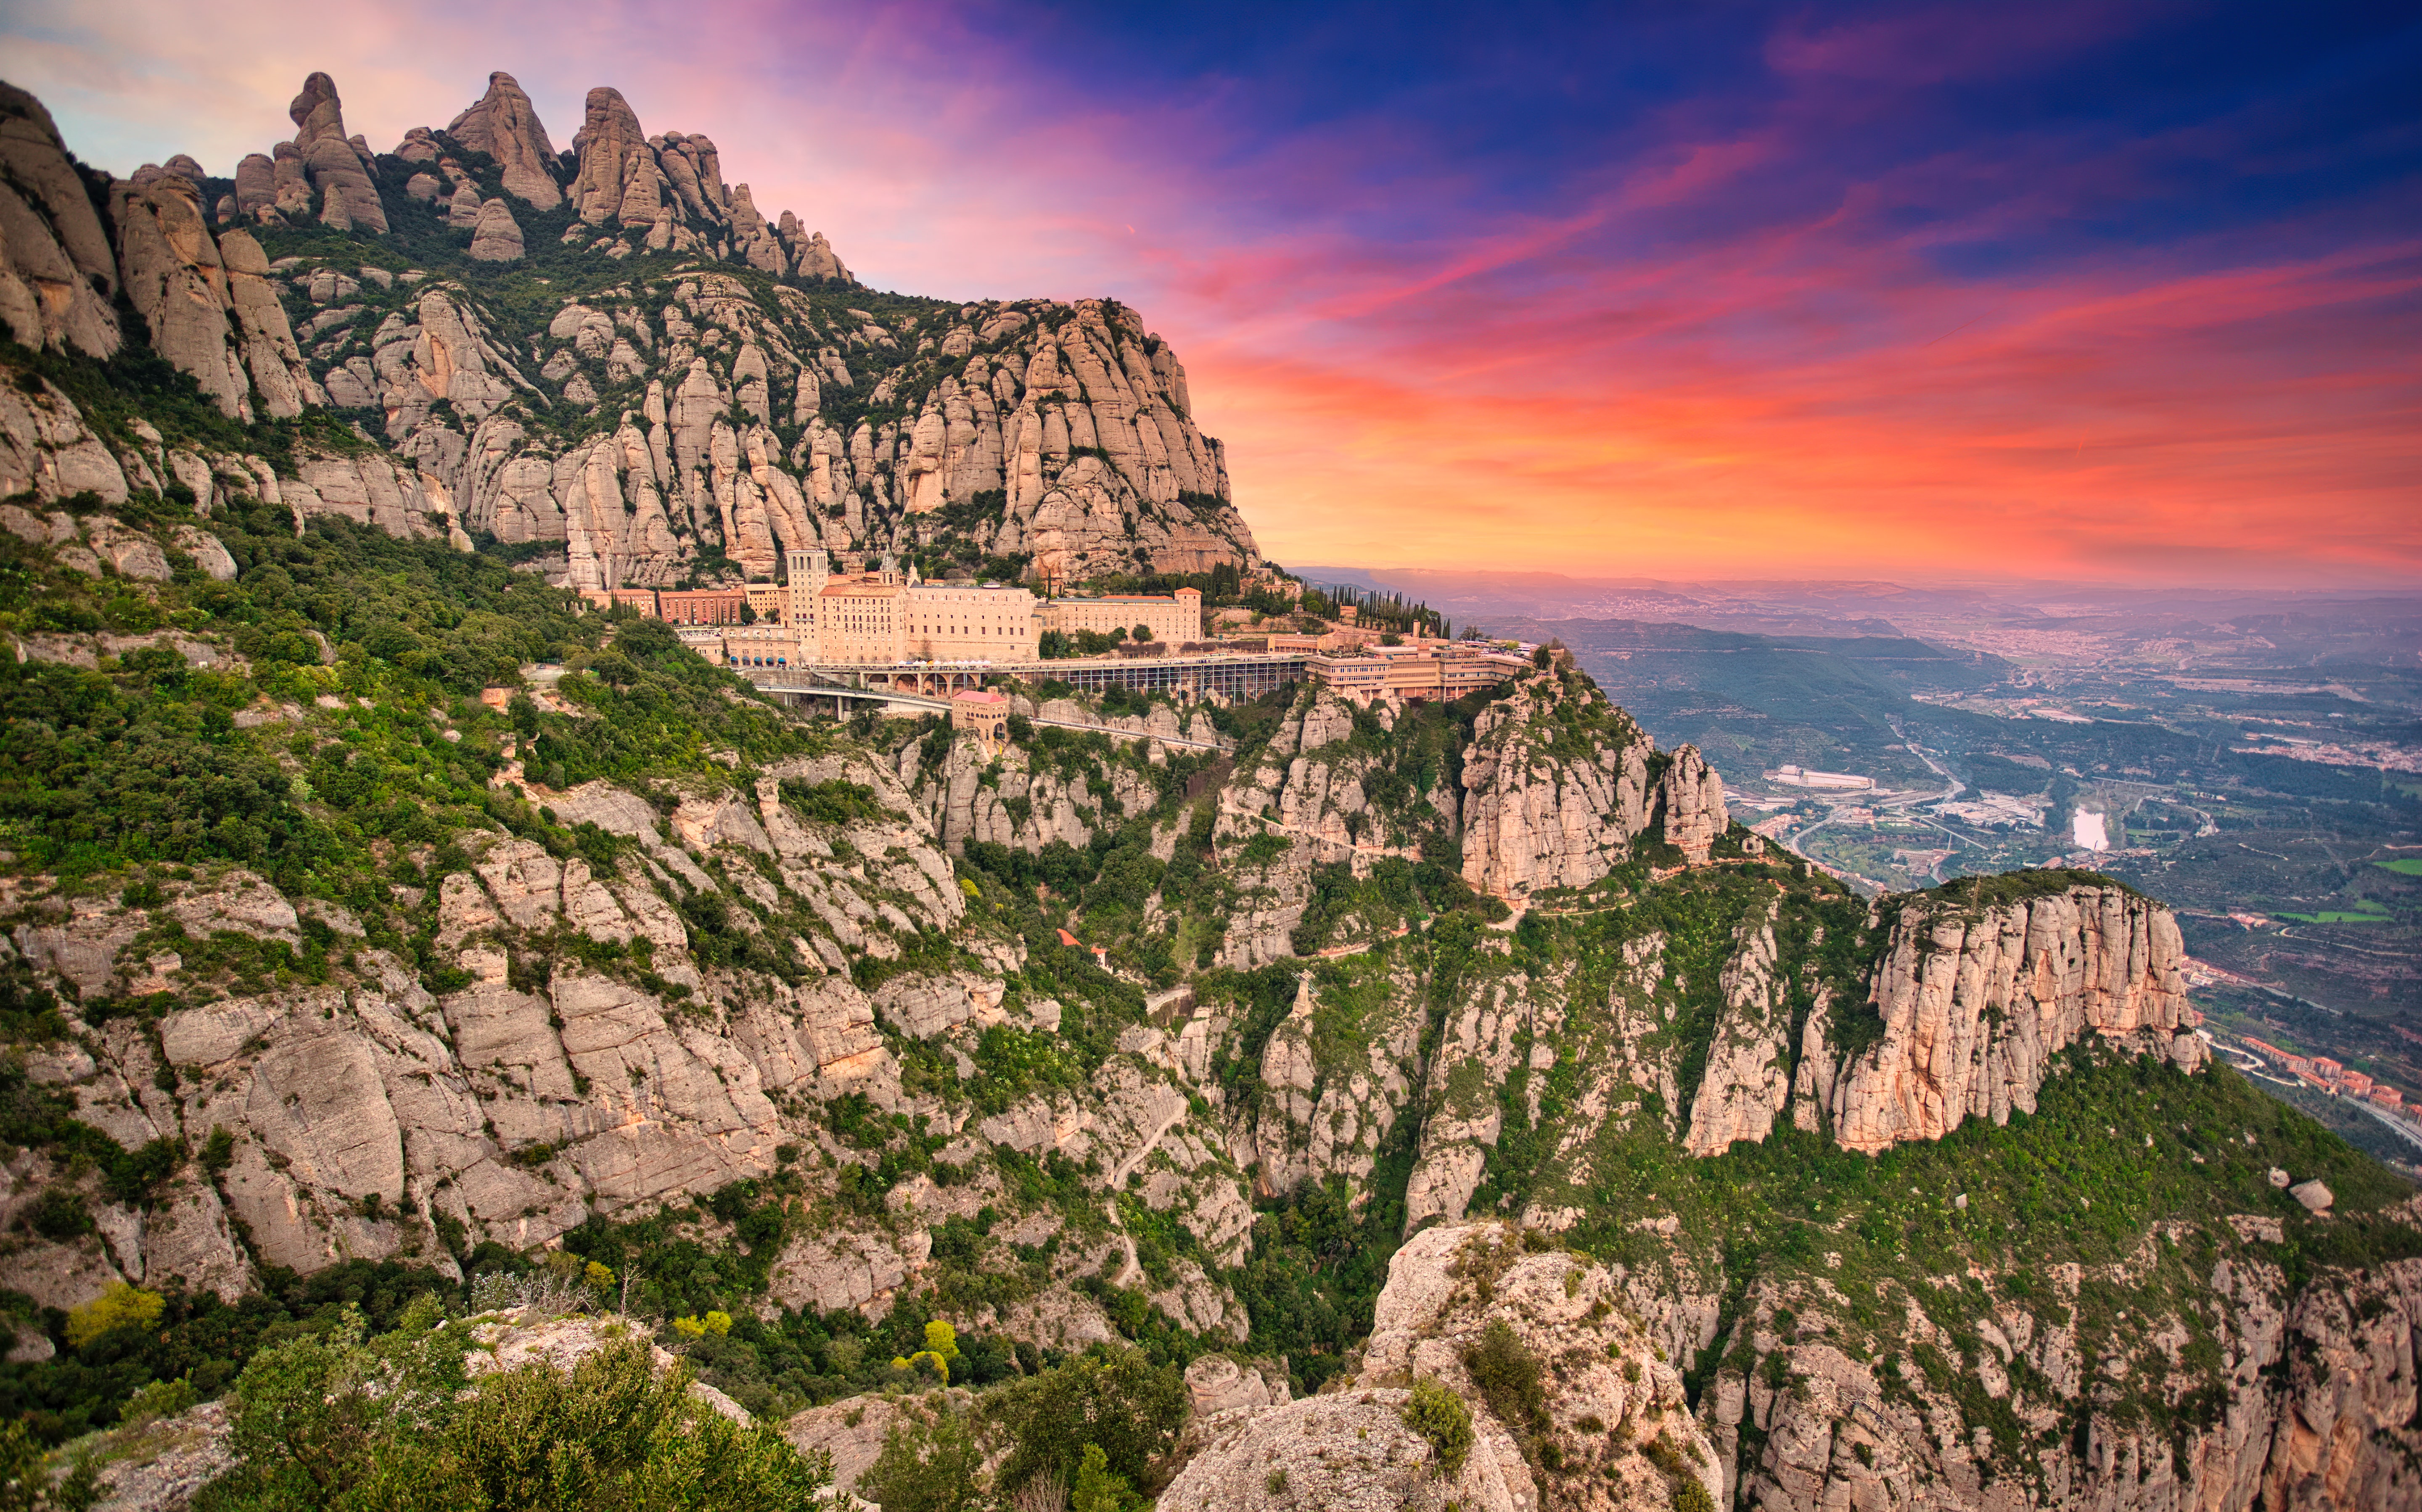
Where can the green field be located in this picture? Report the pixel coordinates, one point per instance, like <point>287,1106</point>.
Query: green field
<point>2403,866</point>
<point>2333,917</point>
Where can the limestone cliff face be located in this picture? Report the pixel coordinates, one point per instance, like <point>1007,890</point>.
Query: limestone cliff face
<point>1975,1003</point>
<point>1556,787</point>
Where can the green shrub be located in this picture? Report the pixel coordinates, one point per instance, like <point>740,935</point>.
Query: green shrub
<point>1506,1375</point>
<point>928,1464</point>
<point>121,1306</point>
<point>1121,1402</point>
<point>334,1421</point>
<point>1441,1416</point>
<point>1097,1489</point>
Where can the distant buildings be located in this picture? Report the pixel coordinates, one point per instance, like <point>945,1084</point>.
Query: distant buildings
<point>856,615</point>
<point>1840,781</point>
<point>2327,1074</point>
<point>704,606</point>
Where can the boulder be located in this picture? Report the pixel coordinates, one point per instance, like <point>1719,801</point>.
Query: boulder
<point>495,236</point>
<point>1352,1450</point>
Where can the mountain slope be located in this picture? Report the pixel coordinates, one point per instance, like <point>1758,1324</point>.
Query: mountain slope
<point>379,918</point>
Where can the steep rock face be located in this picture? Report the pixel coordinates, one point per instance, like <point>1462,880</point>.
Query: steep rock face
<point>207,303</point>
<point>46,448</point>
<point>1748,1078</point>
<point>1502,1026</point>
<point>1309,785</point>
<point>279,373</point>
<point>1557,788</point>
<point>2312,1408</point>
<point>1076,418</point>
<point>1975,1003</point>
<point>633,505</point>
<point>505,125</point>
<point>176,280</point>
<point>1335,1076</point>
<point>56,274</point>
<point>1025,801</point>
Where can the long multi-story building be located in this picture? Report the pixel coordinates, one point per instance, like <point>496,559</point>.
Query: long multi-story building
<point>858,614</point>
<point>862,615</point>
<point>1174,617</point>
<point>701,606</point>
<point>1423,672</point>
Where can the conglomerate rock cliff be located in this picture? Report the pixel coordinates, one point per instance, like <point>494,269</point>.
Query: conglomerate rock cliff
<point>57,275</point>
<point>686,385</point>
<point>1558,787</point>
<point>1975,1001</point>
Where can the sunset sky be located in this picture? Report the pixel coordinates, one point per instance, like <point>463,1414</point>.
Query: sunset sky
<point>2110,291</point>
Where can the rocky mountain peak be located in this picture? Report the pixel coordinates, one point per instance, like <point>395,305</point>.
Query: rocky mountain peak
<point>505,125</point>
<point>317,112</point>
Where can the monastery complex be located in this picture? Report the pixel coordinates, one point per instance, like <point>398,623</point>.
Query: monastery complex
<point>880,622</point>
<point>859,615</point>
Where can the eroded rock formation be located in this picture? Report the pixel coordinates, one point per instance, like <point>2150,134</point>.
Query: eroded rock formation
<point>1976,1002</point>
<point>504,125</point>
<point>57,275</point>
<point>1557,780</point>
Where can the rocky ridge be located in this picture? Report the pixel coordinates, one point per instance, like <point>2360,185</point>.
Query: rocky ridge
<point>573,1046</point>
<point>739,399</point>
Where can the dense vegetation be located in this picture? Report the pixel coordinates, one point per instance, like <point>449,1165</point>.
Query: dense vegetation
<point>143,760</point>
<point>338,1420</point>
<point>335,742</point>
